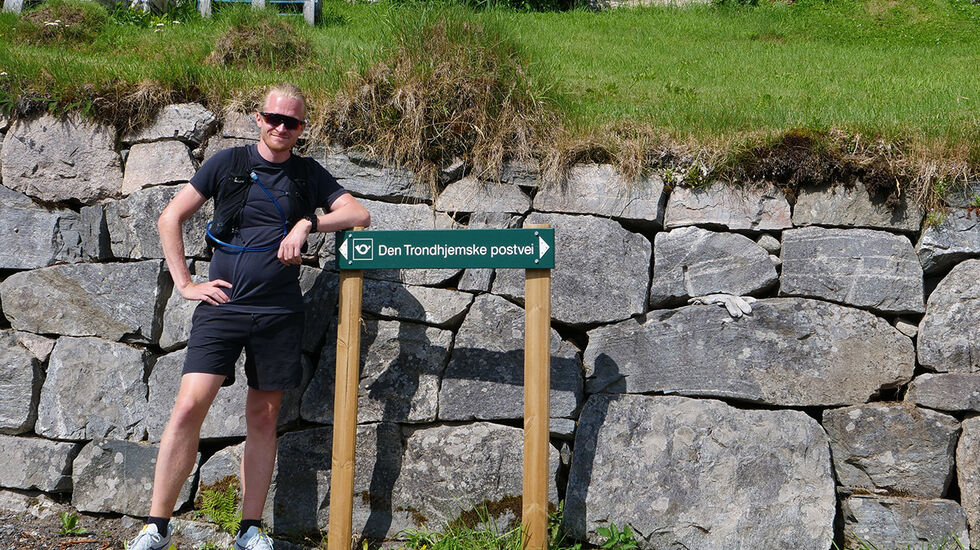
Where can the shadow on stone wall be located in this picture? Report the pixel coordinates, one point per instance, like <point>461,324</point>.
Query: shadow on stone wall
<point>385,501</point>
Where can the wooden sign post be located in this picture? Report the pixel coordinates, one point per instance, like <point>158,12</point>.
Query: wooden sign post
<point>537,406</point>
<point>345,409</point>
<point>532,249</point>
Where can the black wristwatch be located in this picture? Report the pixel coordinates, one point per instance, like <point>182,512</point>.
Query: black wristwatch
<point>313,220</point>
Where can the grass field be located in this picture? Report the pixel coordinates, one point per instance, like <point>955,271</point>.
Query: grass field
<point>869,75</point>
<point>877,66</point>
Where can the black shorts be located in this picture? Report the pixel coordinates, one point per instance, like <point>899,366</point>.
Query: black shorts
<point>272,344</point>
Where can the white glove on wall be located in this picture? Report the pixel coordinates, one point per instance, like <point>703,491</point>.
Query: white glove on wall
<point>736,305</point>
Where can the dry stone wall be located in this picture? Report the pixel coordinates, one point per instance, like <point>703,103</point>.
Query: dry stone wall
<point>842,409</point>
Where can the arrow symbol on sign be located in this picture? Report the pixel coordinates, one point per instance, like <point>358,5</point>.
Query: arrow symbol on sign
<point>543,247</point>
<point>343,247</point>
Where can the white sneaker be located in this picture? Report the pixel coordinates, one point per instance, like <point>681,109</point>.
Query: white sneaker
<point>149,538</point>
<point>253,539</point>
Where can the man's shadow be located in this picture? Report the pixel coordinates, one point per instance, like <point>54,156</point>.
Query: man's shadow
<point>605,384</point>
<point>387,399</point>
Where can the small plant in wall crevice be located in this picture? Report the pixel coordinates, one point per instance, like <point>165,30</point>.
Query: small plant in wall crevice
<point>616,539</point>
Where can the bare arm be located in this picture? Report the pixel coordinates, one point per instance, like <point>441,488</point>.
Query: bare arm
<point>345,212</point>
<point>185,203</point>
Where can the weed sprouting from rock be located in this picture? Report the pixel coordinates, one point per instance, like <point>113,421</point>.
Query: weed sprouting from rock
<point>219,502</point>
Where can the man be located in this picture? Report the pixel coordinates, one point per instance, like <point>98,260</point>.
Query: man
<point>251,301</point>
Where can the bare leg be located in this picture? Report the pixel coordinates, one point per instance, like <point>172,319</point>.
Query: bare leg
<point>259,458</point>
<point>178,446</point>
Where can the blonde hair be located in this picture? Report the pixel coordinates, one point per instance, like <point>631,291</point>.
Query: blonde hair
<point>285,90</point>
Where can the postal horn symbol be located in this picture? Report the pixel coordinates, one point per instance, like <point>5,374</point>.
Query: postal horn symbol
<point>362,248</point>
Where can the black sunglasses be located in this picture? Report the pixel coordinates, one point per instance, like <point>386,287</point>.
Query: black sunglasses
<point>275,119</point>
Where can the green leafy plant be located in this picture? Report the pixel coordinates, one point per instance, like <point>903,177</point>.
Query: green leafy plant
<point>556,537</point>
<point>220,504</point>
<point>616,539</point>
<point>123,13</point>
<point>69,524</point>
<point>935,218</point>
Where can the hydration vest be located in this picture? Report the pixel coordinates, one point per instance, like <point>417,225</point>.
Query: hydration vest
<point>232,194</point>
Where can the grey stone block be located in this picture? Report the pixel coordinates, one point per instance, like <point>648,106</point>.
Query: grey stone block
<point>34,463</point>
<point>401,364</point>
<point>722,205</point>
<point>471,195</point>
<point>184,121</point>
<point>687,473</point>
<point>94,388</point>
<point>852,206</point>
<point>222,465</point>
<point>364,177</point>
<point>968,476</point>
<point>949,337</point>
<point>788,352</point>
<point>21,376</point>
<point>320,298</point>
<point>117,476</point>
<point>32,236</point>
<point>892,448</point>
<point>526,173</point>
<point>946,392</point>
<point>434,306</point>
<point>707,262</point>
<point>240,125</point>
<point>601,273</point>
<point>95,233</point>
<point>158,163</point>
<point>177,317</point>
<point>39,346</point>
<point>58,160</point>
<point>906,327</point>
<point>895,522</point>
<point>859,267</point>
<point>299,500</point>
<point>448,470</point>
<point>599,189</point>
<point>769,243</point>
<point>954,239</point>
<point>485,376</point>
<point>38,506</point>
<point>132,225</point>
<point>112,301</point>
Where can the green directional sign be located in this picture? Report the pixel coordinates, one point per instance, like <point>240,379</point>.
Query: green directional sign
<point>450,248</point>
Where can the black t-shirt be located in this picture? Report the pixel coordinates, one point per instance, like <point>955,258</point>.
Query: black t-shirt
<point>260,282</point>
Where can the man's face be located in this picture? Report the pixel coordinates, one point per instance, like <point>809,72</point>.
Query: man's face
<point>279,137</point>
